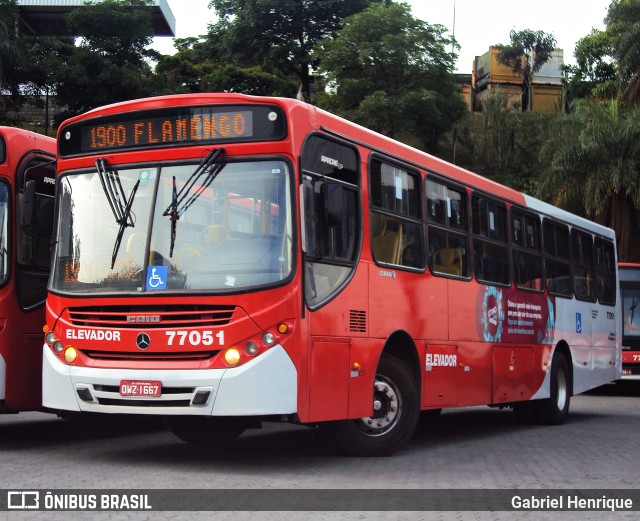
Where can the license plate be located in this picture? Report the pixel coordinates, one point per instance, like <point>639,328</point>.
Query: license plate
<point>140,388</point>
<point>626,372</point>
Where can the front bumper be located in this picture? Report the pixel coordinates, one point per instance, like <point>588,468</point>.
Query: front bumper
<point>264,386</point>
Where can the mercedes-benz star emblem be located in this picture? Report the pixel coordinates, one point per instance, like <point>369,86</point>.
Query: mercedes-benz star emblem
<point>143,341</point>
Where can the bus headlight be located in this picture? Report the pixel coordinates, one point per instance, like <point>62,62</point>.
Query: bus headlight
<point>57,346</point>
<point>268,339</point>
<point>232,356</point>
<point>70,355</point>
<point>251,348</point>
<point>50,338</point>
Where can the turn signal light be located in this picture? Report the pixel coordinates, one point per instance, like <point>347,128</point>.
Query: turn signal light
<point>283,328</point>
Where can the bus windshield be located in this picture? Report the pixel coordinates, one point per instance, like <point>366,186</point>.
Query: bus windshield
<point>631,311</point>
<point>235,232</point>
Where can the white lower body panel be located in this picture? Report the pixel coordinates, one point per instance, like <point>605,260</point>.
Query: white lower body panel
<point>264,386</point>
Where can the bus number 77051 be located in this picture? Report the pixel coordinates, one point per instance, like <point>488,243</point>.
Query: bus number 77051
<point>194,337</point>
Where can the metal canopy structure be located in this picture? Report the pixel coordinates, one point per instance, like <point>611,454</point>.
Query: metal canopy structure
<point>47,17</point>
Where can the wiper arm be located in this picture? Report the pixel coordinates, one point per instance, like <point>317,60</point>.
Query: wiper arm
<point>174,215</point>
<point>182,200</point>
<point>120,205</point>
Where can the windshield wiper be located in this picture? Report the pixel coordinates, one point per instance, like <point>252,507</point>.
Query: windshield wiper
<point>182,200</point>
<point>120,205</point>
<point>174,215</point>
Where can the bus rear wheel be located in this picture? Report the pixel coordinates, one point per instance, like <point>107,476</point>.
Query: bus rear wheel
<point>205,431</point>
<point>395,414</point>
<point>555,409</point>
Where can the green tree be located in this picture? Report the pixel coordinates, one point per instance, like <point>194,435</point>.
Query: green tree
<point>278,36</point>
<point>192,69</point>
<point>526,54</point>
<point>122,30</point>
<point>623,25</point>
<point>594,168</point>
<point>10,55</point>
<point>28,64</point>
<point>595,73</point>
<point>183,71</point>
<point>497,135</point>
<point>8,50</point>
<point>109,64</point>
<point>391,72</point>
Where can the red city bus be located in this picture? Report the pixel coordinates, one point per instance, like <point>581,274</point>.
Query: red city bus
<point>630,296</point>
<point>224,260</point>
<point>27,182</point>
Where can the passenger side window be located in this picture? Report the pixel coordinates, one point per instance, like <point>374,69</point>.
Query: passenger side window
<point>557,260</point>
<point>526,251</point>
<point>605,269</point>
<point>582,256</point>
<point>490,251</point>
<point>396,225</point>
<point>447,224</point>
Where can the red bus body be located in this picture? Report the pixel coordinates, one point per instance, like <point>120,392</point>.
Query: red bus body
<point>630,296</point>
<point>24,156</point>
<point>363,299</point>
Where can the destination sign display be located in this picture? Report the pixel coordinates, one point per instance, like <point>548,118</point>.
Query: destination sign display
<point>175,126</point>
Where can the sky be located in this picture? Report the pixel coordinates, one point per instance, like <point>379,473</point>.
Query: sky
<point>478,23</point>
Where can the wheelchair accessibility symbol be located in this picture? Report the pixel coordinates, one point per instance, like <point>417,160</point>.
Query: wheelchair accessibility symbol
<point>157,277</point>
<point>578,322</point>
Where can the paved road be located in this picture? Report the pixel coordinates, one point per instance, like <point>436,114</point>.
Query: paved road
<point>466,448</point>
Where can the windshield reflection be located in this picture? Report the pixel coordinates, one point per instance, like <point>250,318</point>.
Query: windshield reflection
<point>236,234</point>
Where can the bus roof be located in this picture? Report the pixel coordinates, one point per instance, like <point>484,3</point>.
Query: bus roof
<point>629,272</point>
<point>323,120</point>
<point>24,141</point>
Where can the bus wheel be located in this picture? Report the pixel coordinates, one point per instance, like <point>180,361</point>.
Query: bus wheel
<point>395,414</point>
<point>554,410</point>
<point>205,431</point>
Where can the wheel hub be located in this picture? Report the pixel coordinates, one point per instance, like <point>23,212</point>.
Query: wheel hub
<point>387,407</point>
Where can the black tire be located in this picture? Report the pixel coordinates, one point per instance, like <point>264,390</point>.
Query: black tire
<point>396,413</point>
<point>205,431</point>
<point>554,410</point>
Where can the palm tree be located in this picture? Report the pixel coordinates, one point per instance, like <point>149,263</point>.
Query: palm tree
<point>528,52</point>
<point>623,23</point>
<point>594,159</point>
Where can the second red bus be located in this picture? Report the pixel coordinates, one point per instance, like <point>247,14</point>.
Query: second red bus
<point>27,182</point>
